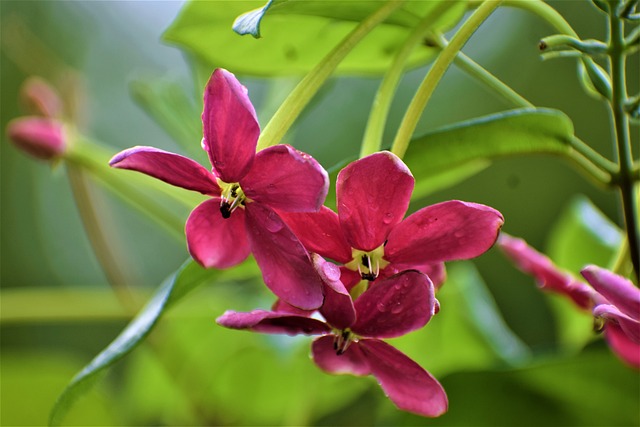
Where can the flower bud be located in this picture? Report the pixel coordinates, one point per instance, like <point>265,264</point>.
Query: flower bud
<point>40,98</point>
<point>40,137</point>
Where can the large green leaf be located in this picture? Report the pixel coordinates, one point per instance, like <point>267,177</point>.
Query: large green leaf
<point>298,34</point>
<point>187,278</point>
<point>459,150</point>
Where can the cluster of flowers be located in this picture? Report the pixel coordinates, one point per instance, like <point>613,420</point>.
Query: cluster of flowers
<point>353,277</point>
<point>613,299</point>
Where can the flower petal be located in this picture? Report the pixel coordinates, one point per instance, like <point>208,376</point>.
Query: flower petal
<point>286,267</point>
<point>270,322</point>
<point>320,232</point>
<point>629,325</point>
<point>168,167</point>
<point>230,126</point>
<point>436,272</point>
<point>351,361</point>
<point>620,343</point>
<point>338,306</point>
<point>616,289</point>
<point>447,231</point>
<point>408,385</point>
<point>547,275</point>
<point>286,179</point>
<point>214,241</point>
<point>395,306</point>
<point>373,195</point>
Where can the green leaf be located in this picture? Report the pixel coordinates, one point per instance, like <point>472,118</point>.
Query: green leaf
<point>298,34</point>
<point>583,235</point>
<point>188,277</point>
<point>167,103</point>
<point>486,316</point>
<point>455,152</point>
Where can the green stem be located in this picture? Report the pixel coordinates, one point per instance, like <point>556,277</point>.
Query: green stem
<point>142,193</point>
<point>374,131</point>
<point>597,167</point>
<point>622,139</point>
<point>546,12</point>
<point>307,88</point>
<point>437,70</point>
<point>474,69</point>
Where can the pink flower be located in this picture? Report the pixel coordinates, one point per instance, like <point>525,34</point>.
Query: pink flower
<point>611,298</point>
<point>246,188</point>
<point>350,336</point>
<point>40,137</point>
<point>619,306</point>
<point>369,236</point>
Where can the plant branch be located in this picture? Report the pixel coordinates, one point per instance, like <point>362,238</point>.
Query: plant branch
<point>372,140</point>
<point>437,70</point>
<point>291,108</point>
<point>622,138</point>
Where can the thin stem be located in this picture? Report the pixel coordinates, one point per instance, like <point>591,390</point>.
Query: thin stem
<point>101,242</point>
<point>546,12</point>
<point>474,69</point>
<point>622,139</point>
<point>437,70</point>
<point>372,140</point>
<point>307,88</point>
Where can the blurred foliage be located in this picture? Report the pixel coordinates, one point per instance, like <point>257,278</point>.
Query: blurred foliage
<point>505,353</point>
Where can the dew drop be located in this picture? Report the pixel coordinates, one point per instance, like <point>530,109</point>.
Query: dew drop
<point>381,307</point>
<point>273,223</point>
<point>458,234</point>
<point>397,308</point>
<point>331,271</point>
<point>388,217</point>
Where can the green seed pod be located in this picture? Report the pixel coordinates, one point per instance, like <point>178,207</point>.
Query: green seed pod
<point>594,79</point>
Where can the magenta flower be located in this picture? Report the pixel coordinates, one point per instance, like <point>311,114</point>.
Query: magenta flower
<point>246,189</point>
<point>369,236</point>
<point>350,337</point>
<point>611,298</point>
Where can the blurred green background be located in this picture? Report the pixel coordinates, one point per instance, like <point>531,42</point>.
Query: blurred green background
<point>58,310</point>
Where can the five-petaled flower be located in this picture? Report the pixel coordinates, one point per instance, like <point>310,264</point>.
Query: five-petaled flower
<point>247,189</point>
<point>350,335</point>
<point>612,298</point>
<point>369,236</point>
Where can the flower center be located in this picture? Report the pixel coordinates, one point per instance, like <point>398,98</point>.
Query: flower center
<point>342,341</point>
<point>231,198</point>
<point>368,264</point>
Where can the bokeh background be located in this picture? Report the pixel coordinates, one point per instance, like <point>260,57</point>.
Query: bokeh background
<point>58,310</point>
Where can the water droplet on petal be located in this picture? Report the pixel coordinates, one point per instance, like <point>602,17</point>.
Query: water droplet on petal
<point>273,223</point>
<point>331,271</point>
<point>381,307</point>
<point>458,234</point>
<point>388,217</point>
<point>397,308</point>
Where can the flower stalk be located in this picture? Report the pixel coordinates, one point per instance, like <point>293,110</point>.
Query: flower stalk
<point>372,140</point>
<point>437,70</point>
<point>298,99</point>
<point>622,138</point>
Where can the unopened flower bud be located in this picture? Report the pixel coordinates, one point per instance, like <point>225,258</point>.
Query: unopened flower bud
<point>40,98</point>
<point>40,137</point>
